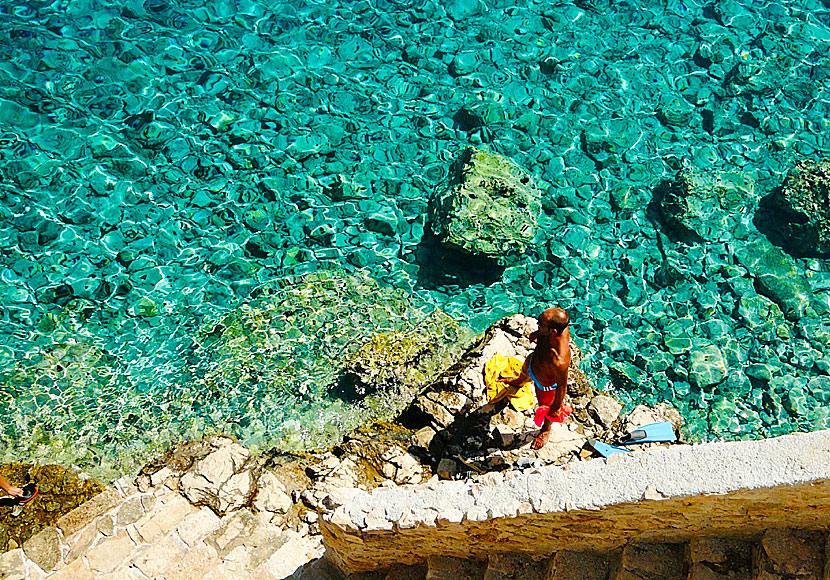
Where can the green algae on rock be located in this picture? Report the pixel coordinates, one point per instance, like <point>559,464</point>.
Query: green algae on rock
<point>404,363</point>
<point>800,210</point>
<point>702,206</point>
<point>292,343</point>
<point>777,276</point>
<point>299,325</point>
<point>488,207</point>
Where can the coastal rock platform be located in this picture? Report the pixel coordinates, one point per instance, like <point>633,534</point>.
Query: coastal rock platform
<point>720,510</point>
<point>212,509</point>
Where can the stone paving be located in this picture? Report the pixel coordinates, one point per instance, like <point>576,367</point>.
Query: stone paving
<point>171,525</point>
<point>159,534</point>
<point>152,531</point>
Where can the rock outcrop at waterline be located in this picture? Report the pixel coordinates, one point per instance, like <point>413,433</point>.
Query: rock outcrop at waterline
<point>449,429</point>
<point>459,431</point>
<point>404,362</point>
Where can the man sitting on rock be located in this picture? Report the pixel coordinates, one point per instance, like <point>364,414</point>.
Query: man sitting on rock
<point>547,366</point>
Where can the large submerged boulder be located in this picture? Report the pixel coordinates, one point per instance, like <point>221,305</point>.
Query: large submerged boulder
<point>799,212</point>
<point>488,208</point>
<point>702,206</point>
<point>776,276</point>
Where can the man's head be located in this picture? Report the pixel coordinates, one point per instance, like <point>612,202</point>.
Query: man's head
<point>553,321</point>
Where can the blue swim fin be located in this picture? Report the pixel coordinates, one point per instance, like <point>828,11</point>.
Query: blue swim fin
<point>662,431</point>
<point>604,449</point>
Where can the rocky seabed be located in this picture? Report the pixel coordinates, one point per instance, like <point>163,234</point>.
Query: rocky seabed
<point>165,161</point>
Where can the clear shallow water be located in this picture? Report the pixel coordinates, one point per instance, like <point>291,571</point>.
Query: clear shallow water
<point>173,174</point>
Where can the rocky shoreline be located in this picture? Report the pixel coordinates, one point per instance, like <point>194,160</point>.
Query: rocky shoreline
<point>448,431</point>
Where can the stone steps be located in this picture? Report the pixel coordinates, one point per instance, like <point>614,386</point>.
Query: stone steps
<point>154,531</point>
<point>582,566</point>
<point>160,535</point>
<point>776,555</point>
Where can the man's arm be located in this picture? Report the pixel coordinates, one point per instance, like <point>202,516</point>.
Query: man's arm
<point>517,381</point>
<point>9,488</point>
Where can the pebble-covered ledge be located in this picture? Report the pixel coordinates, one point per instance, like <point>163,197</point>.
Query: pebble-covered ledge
<point>733,489</point>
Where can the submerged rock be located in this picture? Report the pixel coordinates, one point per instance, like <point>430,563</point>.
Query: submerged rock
<point>705,207</point>
<point>404,362</point>
<point>800,211</point>
<point>707,366</point>
<point>489,207</point>
<point>776,276</point>
<point>675,111</point>
<point>605,143</point>
<point>293,342</point>
<point>759,312</point>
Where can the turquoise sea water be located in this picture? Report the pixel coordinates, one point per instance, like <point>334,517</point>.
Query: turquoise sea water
<point>205,206</point>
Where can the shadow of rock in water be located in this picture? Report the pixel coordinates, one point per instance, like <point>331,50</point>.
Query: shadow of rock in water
<point>442,268</point>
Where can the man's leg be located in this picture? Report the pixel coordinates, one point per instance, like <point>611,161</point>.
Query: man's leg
<point>543,436</point>
<point>545,398</point>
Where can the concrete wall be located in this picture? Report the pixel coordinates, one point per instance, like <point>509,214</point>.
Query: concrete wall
<point>733,489</point>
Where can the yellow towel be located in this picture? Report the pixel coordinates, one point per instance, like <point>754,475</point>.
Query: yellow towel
<point>508,367</point>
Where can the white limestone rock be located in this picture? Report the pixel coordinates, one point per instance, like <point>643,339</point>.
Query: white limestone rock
<point>219,480</point>
<point>408,469</point>
<point>323,468</point>
<point>605,409</point>
<point>643,415</point>
<point>339,496</point>
<point>562,442</point>
<point>45,548</point>
<point>12,565</point>
<point>271,495</point>
<point>235,492</point>
<point>296,553</point>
